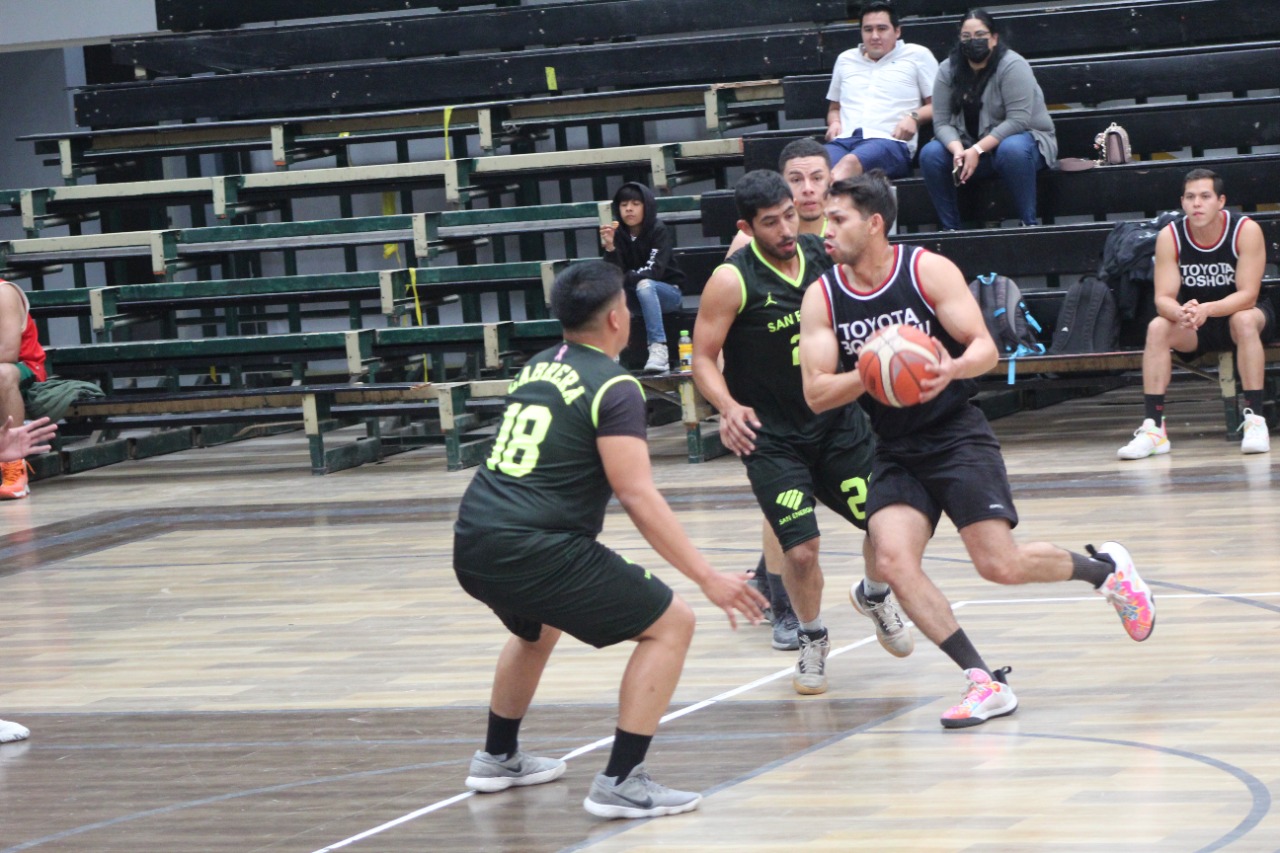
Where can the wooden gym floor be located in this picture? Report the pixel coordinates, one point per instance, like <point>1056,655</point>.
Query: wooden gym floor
<point>216,651</point>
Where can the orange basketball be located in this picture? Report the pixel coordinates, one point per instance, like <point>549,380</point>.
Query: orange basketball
<point>892,364</point>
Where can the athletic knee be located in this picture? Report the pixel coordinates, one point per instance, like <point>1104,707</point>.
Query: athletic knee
<point>1003,568</point>
<point>1159,332</point>
<point>1244,325</point>
<point>803,558</point>
<point>9,375</point>
<point>895,566</point>
<point>679,622</point>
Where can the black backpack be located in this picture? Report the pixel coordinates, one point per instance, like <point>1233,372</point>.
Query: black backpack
<point>1010,323</point>
<point>1088,321</point>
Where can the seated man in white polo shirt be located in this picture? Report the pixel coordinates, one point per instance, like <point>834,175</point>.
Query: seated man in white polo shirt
<point>881,93</point>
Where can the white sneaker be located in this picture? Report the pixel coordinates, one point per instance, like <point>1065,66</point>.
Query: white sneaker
<point>810,677</point>
<point>11,732</point>
<point>659,360</point>
<point>1256,438</point>
<point>1148,440</point>
<point>891,631</point>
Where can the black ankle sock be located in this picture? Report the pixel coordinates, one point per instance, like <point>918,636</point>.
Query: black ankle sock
<point>1090,569</point>
<point>503,737</point>
<point>959,649</point>
<point>628,751</point>
<point>1253,400</point>
<point>1154,404</point>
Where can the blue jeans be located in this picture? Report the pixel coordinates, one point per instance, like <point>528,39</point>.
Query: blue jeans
<point>654,298</point>
<point>1015,161</point>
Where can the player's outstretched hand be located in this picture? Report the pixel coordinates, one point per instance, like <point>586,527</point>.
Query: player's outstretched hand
<point>732,594</point>
<point>19,442</point>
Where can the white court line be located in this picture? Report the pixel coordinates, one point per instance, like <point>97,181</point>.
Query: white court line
<point>759,682</point>
<point>582,750</point>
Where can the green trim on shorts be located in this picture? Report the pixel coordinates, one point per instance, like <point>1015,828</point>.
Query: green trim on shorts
<point>26,377</point>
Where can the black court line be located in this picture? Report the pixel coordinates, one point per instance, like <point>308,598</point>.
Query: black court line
<point>1259,794</point>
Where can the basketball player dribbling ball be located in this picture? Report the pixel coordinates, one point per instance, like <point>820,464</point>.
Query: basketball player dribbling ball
<point>573,434</point>
<point>941,455</point>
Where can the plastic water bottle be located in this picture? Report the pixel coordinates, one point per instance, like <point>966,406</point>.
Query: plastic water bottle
<point>686,352</point>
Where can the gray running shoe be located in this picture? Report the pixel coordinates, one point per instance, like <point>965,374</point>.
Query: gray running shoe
<point>891,631</point>
<point>786,629</point>
<point>637,796</point>
<point>489,775</point>
<point>811,668</point>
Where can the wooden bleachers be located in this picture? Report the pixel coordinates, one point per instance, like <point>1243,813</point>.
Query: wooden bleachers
<point>1142,188</point>
<point>226,194</point>
<point>729,75</point>
<point>1236,123</point>
<point>1095,78</point>
<point>494,123</point>
<point>434,34</point>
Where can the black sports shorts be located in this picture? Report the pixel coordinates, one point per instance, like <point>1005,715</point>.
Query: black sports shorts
<point>1215,334</point>
<point>789,476</point>
<point>566,580</point>
<point>952,466</point>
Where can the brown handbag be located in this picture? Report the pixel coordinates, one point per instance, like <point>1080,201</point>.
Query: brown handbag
<point>1113,146</point>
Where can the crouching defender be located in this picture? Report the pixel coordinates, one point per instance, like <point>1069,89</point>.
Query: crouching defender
<point>525,544</point>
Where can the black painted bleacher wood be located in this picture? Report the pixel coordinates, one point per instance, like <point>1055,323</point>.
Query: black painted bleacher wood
<point>720,57</point>
<point>1199,125</point>
<point>456,80</point>
<point>186,15</point>
<point>1045,250</point>
<point>1097,78</point>
<point>435,34</point>
<point>1135,188</point>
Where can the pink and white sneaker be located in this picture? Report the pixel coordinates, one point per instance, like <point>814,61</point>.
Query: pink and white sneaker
<point>1127,591</point>
<point>989,695</point>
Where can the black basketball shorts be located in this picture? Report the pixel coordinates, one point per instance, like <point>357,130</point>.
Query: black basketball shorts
<point>1215,334</point>
<point>789,477</point>
<point>566,580</point>
<point>952,466</point>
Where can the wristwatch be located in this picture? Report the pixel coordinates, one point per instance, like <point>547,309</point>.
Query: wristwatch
<point>915,116</point>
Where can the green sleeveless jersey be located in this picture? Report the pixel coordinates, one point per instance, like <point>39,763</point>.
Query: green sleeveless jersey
<point>762,348</point>
<point>544,472</point>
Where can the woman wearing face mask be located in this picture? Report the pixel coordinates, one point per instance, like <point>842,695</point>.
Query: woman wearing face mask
<point>989,119</point>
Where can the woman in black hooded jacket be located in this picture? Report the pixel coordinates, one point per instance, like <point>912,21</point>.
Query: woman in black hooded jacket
<point>640,243</point>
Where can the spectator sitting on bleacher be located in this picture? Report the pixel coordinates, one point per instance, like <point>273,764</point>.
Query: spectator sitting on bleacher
<point>881,93</point>
<point>989,119</point>
<point>21,366</point>
<point>639,242</point>
<point>1208,276</point>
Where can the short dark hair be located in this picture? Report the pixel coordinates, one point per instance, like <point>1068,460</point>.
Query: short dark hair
<point>806,146</point>
<point>879,6</point>
<point>582,291</point>
<point>1205,175</point>
<point>628,192</point>
<point>870,193</point>
<point>758,189</point>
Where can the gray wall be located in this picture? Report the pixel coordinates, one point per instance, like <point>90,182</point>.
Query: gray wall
<point>31,24</point>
